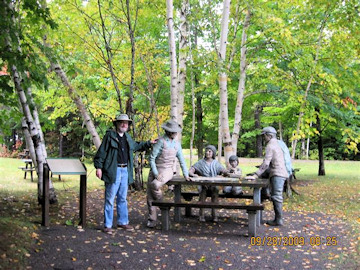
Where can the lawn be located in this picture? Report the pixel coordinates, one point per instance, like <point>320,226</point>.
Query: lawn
<point>336,193</point>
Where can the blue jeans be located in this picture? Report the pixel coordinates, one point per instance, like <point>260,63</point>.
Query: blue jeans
<point>276,188</point>
<point>118,189</point>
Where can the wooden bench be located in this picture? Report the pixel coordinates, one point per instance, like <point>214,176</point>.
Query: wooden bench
<point>188,196</point>
<point>250,209</point>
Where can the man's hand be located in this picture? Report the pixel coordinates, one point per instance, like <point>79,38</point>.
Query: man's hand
<point>98,173</point>
<point>187,178</point>
<point>251,177</point>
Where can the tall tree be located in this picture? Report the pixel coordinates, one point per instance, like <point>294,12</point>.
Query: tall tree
<point>173,62</point>
<point>15,58</point>
<point>228,148</point>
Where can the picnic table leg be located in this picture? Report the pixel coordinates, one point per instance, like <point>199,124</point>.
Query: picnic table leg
<point>26,166</point>
<point>257,200</point>
<point>177,210</point>
<point>82,200</point>
<point>252,223</point>
<point>165,219</point>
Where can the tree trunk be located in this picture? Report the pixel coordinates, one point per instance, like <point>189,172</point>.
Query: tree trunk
<point>37,120</point>
<point>199,123</point>
<point>280,131</point>
<point>308,145</point>
<point>79,104</point>
<point>173,61</point>
<point>108,57</point>
<point>131,31</point>
<point>183,48</point>
<point>151,98</point>
<point>228,148</point>
<point>25,108</point>
<point>303,148</point>
<point>241,87</point>
<point>193,106</point>
<point>320,144</point>
<point>259,150</point>
<point>61,141</point>
<point>28,140</point>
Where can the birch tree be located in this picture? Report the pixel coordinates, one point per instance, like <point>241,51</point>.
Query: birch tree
<point>79,104</point>
<point>183,49</point>
<point>173,61</point>
<point>242,79</point>
<point>228,148</point>
<point>19,76</point>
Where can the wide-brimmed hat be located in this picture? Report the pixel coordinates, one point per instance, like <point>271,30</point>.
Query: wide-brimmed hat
<point>171,126</point>
<point>268,130</point>
<point>122,117</point>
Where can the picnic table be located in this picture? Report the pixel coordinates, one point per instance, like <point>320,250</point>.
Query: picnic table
<point>253,210</point>
<point>29,167</point>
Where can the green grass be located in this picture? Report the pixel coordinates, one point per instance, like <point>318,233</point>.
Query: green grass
<point>336,193</point>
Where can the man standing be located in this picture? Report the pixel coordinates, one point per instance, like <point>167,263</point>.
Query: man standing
<point>274,160</point>
<point>163,166</point>
<point>114,165</point>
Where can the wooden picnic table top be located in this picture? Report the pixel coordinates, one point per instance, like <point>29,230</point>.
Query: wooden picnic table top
<point>219,181</point>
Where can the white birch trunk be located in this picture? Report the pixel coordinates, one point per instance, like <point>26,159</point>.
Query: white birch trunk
<point>173,61</point>
<point>28,140</point>
<point>25,108</point>
<point>37,121</point>
<point>241,87</point>
<point>34,134</point>
<point>79,104</point>
<point>183,48</point>
<point>228,149</point>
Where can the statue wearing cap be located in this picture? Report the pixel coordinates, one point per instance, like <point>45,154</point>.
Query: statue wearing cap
<point>114,165</point>
<point>163,166</point>
<point>273,161</point>
<point>209,167</point>
<point>234,171</point>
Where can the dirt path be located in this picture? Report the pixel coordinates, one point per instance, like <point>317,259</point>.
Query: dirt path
<point>195,245</point>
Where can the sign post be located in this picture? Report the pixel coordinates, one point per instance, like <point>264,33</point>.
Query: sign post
<point>64,166</point>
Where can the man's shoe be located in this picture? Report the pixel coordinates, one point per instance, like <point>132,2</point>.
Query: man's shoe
<point>151,224</point>
<point>108,231</point>
<point>126,227</point>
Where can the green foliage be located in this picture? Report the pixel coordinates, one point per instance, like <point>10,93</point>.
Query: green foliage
<point>284,51</point>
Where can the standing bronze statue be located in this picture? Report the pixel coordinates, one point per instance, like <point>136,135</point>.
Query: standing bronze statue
<point>275,162</point>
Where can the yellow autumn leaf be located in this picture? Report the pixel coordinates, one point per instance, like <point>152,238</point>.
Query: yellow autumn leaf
<point>73,259</point>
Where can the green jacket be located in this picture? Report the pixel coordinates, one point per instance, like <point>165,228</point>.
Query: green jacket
<point>106,156</point>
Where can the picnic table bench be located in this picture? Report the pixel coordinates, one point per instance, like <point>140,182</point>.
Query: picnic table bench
<point>250,209</point>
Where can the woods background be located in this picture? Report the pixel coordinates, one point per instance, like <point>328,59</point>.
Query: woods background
<point>223,70</point>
